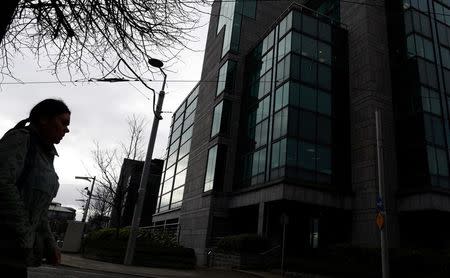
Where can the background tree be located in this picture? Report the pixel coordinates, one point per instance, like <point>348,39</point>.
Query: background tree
<point>82,35</point>
<point>108,195</point>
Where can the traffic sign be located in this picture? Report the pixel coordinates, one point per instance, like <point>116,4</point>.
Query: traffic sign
<point>380,204</point>
<point>380,220</point>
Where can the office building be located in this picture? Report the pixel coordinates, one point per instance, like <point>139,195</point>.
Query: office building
<point>282,125</point>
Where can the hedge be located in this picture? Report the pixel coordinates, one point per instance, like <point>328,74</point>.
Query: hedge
<point>152,249</point>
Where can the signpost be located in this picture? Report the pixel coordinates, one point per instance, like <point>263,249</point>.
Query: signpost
<point>381,215</point>
<point>284,221</point>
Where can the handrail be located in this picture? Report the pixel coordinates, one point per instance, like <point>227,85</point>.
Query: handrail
<point>270,250</point>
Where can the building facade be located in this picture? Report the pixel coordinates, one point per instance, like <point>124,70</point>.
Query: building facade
<point>58,217</point>
<point>127,192</point>
<point>282,124</point>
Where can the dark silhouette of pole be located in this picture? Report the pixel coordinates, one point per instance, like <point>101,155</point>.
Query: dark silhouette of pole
<point>383,228</point>
<point>88,202</point>
<point>129,255</point>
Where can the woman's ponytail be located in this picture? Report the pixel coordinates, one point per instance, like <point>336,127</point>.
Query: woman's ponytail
<point>22,123</point>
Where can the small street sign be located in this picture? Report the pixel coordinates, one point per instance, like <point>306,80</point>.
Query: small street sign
<point>380,220</point>
<point>380,204</point>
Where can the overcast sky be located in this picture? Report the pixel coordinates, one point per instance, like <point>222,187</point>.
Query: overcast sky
<point>99,112</point>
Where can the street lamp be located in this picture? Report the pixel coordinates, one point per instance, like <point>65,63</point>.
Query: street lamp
<point>146,171</point>
<point>86,207</point>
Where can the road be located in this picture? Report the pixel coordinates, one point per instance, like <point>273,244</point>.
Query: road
<point>68,272</point>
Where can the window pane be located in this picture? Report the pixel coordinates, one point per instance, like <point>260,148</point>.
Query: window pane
<point>283,152</point>
<point>222,78</point>
<point>408,22</point>
<point>324,53</point>
<point>180,179</point>
<point>184,150</point>
<point>307,155</point>
<point>323,130</point>
<point>169,173</point>
<point>294,94</point>
<point>308,98</point>
<point>308,71</point>
<point>174,146</point>
<point>178,123</point>
<point>280,123</point>
<point>284,121</point>
<point>186,135</point>
<point>264,131</point>
<point>442,162</point>
<point>275,155</point>
<point>325,31</point>
<point>323,102</point>
<point>295,67</point>
<point>191,107</point>
<point>435,103</point>
<point>428,49</point>
<point>445,57</point>
<point>284,47</point>
<point>189,121</point>
<point>309,47</point>
<point>172,159</point>
<point>310,25</point>
<point>324,77</point>
<point>297,20</point>
<point>183,163</point>
<point>167,186</point>
<point>323,160</point>
<point>293,122</point>
<point>210,169</point>
<point>425,99</point>
<point>308,125</point>
<point>176,134</point>
<point>177,195</point>
<point>165,199</point>
<point>438,131</point>
<point>291,159</point>
<point>217,118</point>
<point>411,45</point>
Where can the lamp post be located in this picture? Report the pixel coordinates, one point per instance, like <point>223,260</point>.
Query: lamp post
<point>86,207</point>
<point>129,255</point>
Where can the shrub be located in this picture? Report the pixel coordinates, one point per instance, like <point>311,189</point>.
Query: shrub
<point>147,237</point>
<point>153,248</point>
<point>243,243</point>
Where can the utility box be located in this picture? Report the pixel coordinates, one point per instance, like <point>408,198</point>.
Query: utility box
<point>73,236</point>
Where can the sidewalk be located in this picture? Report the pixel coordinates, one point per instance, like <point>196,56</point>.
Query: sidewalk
<point>75,260</point>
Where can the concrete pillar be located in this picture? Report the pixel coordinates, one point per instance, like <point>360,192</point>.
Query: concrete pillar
<point>370,88</point>
<point>261,219</point>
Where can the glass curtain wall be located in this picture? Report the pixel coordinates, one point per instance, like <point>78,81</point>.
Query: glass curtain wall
<point>231,13</point>
<point>427,34</point>
<point>290,115</point>
<point>173,177</point>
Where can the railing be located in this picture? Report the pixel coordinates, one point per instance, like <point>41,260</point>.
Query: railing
<point>172,229</point>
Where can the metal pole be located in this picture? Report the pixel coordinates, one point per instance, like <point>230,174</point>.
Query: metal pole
<point>129,255</point>
<point>383,230</point>
<point>282,249</point>
<point>88,202</point>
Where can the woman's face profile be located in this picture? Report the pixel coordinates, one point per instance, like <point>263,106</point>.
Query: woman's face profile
<point>53,129</point>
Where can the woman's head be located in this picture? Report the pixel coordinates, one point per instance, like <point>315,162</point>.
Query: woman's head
<point>51,118</point>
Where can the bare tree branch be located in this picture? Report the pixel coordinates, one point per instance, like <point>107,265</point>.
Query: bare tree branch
<point>108,195</point>
<point>84,35</point>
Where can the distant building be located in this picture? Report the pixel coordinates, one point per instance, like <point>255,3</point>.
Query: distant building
<point>129,180</point>
<point>58,217</point>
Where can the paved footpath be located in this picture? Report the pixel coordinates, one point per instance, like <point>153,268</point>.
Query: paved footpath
<point>76,261</point>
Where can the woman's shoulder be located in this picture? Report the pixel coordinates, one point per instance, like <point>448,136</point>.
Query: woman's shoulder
<point>15,137</point>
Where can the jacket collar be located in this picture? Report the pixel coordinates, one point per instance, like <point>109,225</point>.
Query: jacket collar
<point>50,148</point>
